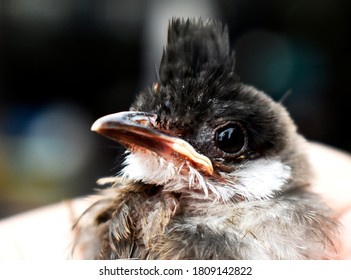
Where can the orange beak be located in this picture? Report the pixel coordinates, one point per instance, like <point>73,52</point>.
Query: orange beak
<point>139,130</point>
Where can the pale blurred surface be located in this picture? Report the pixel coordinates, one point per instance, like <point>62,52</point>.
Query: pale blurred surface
<point>44,233</point>
<point>65,63</point>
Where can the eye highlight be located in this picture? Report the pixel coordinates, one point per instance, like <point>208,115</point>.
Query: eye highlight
<point>231,138</point>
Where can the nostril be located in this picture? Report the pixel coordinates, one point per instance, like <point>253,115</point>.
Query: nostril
<point>145,119</point>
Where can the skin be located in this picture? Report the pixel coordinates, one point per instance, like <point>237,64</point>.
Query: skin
<point>46,233</point>
<point>333,181</point>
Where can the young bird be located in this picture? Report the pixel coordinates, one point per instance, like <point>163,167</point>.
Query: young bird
<point>215,169</point>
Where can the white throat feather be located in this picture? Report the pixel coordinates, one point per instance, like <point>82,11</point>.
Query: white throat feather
<point>254,180</point>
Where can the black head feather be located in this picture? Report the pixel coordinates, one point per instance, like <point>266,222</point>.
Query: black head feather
<point>195,49</point>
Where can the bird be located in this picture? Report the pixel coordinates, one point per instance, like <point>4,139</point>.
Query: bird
<point>213,168</point>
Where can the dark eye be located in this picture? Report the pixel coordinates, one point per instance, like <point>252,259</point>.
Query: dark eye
<point>231,138</point>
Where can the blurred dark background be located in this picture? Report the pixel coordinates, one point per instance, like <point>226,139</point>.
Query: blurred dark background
<point>65,63</point>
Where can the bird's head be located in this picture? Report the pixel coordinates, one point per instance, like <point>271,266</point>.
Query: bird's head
<point>201,133</point>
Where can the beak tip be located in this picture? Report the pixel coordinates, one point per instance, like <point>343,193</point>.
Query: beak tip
<point>96,126</point>
<point>105,122</point>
